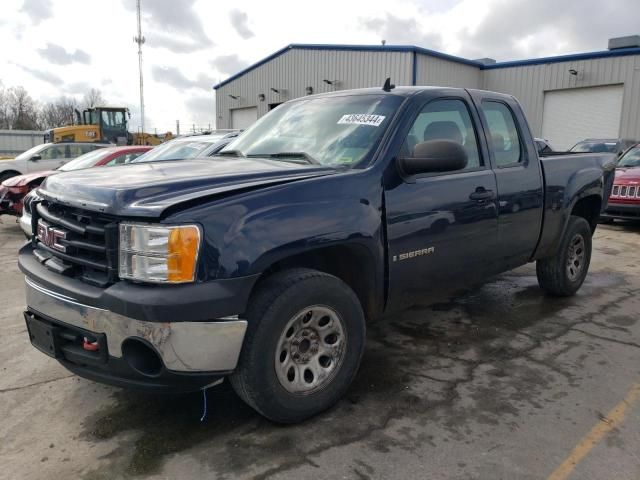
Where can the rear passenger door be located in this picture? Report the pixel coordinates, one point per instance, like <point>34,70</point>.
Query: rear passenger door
<point>441,227</point>
<point>518,175</point>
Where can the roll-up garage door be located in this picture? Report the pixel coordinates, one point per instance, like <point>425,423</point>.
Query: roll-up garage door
<point>574,114</point>
<point>243,117</point>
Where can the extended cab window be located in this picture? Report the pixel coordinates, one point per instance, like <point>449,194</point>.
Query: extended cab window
<point>504,140</point>
<point>444,120</point>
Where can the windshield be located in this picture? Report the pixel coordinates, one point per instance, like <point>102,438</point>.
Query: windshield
<point>333,131</point>
<point>631,158</point>
<point>31,152</point>
<point>178,149</point>
<point>594,147</point>
<point>85,161</point>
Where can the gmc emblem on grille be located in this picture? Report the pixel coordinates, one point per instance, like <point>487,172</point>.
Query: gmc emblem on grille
<point>51,236</point>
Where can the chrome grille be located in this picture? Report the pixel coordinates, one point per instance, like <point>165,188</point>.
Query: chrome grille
<point>76,242</point>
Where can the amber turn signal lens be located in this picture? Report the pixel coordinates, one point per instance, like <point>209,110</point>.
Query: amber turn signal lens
<point>183,253</point>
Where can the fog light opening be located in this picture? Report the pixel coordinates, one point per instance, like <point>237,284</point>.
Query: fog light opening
<point>141,357</point>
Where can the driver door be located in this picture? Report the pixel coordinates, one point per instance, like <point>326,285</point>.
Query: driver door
<point>442,227</point>
<point>50,158</point>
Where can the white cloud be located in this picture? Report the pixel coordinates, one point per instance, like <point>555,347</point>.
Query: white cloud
<point>240,21</point>
<point>60,56</point>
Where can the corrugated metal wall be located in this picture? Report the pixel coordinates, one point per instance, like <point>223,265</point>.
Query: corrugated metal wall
<point>528,84</point>
<point>14,142</point>
<point>445,73</point>
<point>293,71</point>
<point>296,69</point>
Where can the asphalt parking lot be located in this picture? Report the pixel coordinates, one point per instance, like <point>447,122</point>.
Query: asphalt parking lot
<point>500,382</point>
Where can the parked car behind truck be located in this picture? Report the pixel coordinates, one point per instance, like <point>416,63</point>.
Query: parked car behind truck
<point>47,156</point>
<point>14,189</point>
<point>264,263</point>
<point>602,145</point>
<point>624,202</point>
<point>190,146</point>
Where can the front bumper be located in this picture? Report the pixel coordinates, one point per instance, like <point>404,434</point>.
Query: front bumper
<point>622,211</point>
<point>193,354</point>
<point>188,302</point>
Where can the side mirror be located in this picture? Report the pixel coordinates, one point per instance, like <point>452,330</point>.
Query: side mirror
<point>434,156</point>
<point>36,157</point>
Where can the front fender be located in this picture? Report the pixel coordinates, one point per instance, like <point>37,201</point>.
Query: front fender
<point>247,233</point>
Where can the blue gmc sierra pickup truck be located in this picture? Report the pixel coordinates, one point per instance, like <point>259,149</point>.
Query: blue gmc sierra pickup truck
<point>262,264</point>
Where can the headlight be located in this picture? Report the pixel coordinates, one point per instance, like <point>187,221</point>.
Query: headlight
<point>158,253</point>
<point>27,200</point>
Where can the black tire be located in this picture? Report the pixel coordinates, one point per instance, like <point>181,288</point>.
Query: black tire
<point>277,302</point>
<point>557,275</point>
<point>6,175</point>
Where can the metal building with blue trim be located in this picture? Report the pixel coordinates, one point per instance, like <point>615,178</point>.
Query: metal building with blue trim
<point>602,88</point>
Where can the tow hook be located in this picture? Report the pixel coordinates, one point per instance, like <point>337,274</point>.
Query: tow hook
<point>90,346</point>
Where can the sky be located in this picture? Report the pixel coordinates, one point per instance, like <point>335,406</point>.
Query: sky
<point>65,47</point>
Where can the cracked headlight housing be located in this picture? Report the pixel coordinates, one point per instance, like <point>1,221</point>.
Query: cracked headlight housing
<point>158,253</point>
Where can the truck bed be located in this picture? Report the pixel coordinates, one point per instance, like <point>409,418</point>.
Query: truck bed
<point>568,178</point>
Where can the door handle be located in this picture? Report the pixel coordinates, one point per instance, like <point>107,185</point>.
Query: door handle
<point>481,194</point>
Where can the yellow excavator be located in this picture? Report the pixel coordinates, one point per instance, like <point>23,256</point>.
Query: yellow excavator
<point>103,124</point>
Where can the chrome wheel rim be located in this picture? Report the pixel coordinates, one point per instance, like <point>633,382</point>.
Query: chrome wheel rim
<point>310,350</point>
<point>575,259</point>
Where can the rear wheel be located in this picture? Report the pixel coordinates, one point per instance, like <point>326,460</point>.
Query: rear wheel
<point>303,345</point>
<point>564,273</point>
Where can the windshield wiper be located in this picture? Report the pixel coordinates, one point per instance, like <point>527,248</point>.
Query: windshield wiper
<point>230,153</point>
<point>285,155</point>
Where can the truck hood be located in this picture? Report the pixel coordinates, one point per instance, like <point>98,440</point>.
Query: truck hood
<point>147,189</point>
<point>627,176</point>
<point>21,180</point>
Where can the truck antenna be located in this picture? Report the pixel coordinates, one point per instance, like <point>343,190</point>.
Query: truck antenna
<point>139,39</point>
<point>388,86</point>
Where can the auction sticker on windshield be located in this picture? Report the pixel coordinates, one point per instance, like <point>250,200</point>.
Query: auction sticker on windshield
<point>362,119</point>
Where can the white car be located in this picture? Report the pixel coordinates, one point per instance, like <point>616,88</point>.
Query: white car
<point>47,156</point>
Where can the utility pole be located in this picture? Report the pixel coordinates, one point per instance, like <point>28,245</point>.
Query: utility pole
<point>178,127</point>
<point>140,40</point>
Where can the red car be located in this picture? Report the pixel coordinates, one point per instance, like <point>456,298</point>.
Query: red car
<point>13,189</point>
<point>624,202</point>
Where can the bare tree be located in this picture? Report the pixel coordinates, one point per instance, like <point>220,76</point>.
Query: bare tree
<point>4,109</point>
<point>58,113</point>
<point>19,111</point>
<point>93,98</point>
<point>22,109</point>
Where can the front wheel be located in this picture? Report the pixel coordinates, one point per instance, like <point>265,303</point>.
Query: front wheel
<point>563,274</point>
<point>303,345</point>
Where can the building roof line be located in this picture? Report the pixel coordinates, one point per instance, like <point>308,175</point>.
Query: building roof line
<point>433,53</point>
<point>621,52</point>
<point>353,48</point>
